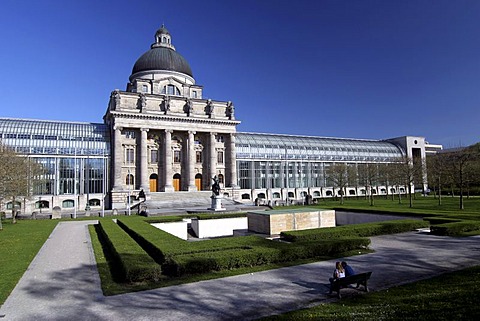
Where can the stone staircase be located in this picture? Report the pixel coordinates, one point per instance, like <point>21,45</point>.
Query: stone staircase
<point>162,200</point>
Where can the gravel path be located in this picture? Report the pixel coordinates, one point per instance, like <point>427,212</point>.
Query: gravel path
<point>62,282</point>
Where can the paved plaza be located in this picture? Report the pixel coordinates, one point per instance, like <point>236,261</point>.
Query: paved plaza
<point>62,282</point>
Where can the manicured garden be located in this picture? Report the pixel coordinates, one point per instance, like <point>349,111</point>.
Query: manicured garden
<point>132,255</point>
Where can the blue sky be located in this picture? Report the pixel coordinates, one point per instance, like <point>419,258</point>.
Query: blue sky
<point>338,68</point>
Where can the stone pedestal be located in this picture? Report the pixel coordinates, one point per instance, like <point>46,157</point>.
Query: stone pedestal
<point>216,203</point>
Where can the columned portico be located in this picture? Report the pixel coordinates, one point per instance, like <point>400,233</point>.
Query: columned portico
<point>191,161</point>
<point>233,162</point>
<point>213,158</point>
<point>164,130</point>
<point>168,172</point>
<point>118,160</point>
<point>144,183</point>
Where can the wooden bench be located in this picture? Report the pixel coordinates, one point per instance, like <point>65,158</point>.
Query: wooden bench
<point>359,279</point>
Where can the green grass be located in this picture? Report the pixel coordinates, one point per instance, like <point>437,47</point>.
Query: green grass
<point>421,205</point>
<point>452,296</point>
<point>20,243</point>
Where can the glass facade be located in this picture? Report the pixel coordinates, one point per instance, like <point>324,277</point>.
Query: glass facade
<point>75,156</point>
<point>283,161</point>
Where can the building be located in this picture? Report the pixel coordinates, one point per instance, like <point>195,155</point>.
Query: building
<point>160,136</point>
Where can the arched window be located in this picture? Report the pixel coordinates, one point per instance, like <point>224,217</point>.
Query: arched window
<point>170,90</point>
<point>329,193</point>
<point>94,202</point>
<point>42,204</point>
<point>245,196</point>
<point>351,192</point>
<point>290,194</point>
<point>68,203</point>
<point>276,195</point>
<point>129,180</point>
<point>261,195</point>
<point>316,193</point>
<point>10,205</point>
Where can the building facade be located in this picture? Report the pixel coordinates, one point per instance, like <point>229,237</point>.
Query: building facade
<point>160,136</point>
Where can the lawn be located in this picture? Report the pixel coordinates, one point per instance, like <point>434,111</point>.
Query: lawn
<point>452,296</point>
<point>20,243</point>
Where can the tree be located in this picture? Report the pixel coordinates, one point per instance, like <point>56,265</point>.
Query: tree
<point>410,172</point>
<point>437,173</point>
<point>16,175</point>
<point>461,164</point>
<point>368,176</point>
<point>338,175</point>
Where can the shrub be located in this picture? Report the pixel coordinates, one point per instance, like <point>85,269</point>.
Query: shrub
<point>275,252</point>
<point>133,264</point>
<point>455,228</point>
<point>362,230</point>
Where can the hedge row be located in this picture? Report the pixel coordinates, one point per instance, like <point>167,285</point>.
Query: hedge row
<point>133,264</point>
<point>160,244</point>
<point>455,228</point>
<point>180,257</point>
<point>356,230</point>
<point>252,256</point>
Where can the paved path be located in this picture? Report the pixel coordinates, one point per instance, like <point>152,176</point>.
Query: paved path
<point>62,282</point>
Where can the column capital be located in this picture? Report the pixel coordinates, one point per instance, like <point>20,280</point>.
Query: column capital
<point>117,127</point>
<point>144,129</point>
<point>192,132</point>
<point>169,131</point>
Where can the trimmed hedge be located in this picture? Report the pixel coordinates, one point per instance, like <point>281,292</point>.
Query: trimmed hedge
<point>252,256</point>
<point>455,228</point>
<point>134,265</point>
<point>356,230</point>
<point>179,257</point>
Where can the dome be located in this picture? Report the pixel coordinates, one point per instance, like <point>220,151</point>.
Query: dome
<point>162,58</point>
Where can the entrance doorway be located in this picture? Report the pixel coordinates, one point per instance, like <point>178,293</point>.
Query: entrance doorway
<point>198,182</point>
<point>153,182</point>
<point>177,182</point>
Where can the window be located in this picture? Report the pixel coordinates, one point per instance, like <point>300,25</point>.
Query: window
<point>68,203</point>
<point>220,157</point>
<point>194,94</point>
<point>198,156</point>
<point>94,202</point>
<point>220,139</point>
<point>170,90</point>
<point>176,156</point>
<point>129,180</point>
<point>153,156</point>
<point>144,88</point>
<point>129,134</point>
<point>129,156</point>
<point>220,178</point>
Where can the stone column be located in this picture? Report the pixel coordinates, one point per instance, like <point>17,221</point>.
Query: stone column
<point>117,159</point>
<point>213,158</point>
<point>191,161</point>
<point>144,183</point>
<point>167,161</point>
<point>233,162</point>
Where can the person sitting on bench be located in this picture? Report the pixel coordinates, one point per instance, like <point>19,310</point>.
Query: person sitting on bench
<point>348,269</point>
